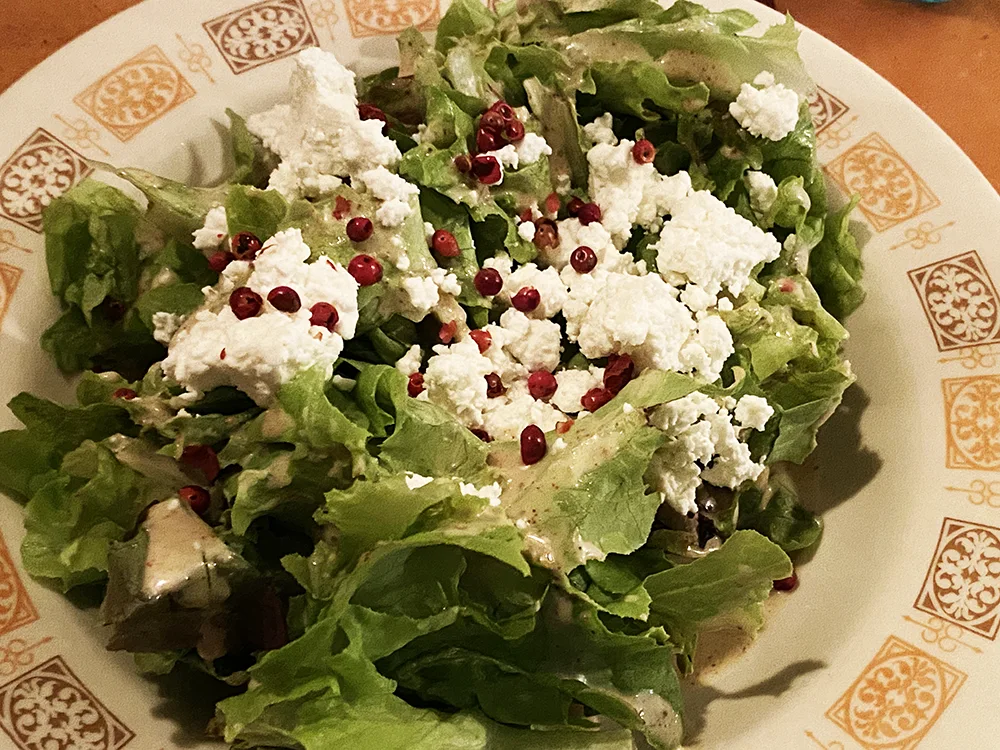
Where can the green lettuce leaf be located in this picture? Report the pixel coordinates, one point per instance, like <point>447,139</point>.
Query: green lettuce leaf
<point>252,162</point>
<point>835,266</point>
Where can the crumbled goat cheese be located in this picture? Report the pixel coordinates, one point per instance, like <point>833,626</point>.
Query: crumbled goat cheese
<point>573,234</point>
<point>428,231</point>
<point>319,134</point>
<point>531,148</point>
<point>699,433</point>
<point>536,344</point>
<point>423,293</point>
<point>526,230</point>
<point>766,109</point>
<point>211,235</point>
<point>455,380</point>
<point>572,385</point>
<point>506,416</point>
<point>763,191</point>
<point>628,192</point>
<point>165,325</point>
<point>707,243</point>
<point>409,363</point>
<point>395,193</point>
<point>551,290</point>
<point>490,492</point>
<point>640,316</point>
<point>599,131</point>
<point>752,412</point>
<point>258,354</point>
<point>416,481</point>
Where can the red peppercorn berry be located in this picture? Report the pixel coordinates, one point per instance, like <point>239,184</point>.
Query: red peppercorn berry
<point>583,259</point>
<point>503,109</point>
<point>487,169</point>
<point>415,385</point>
<point>589,213</point>
<point>595,398</point>
<point>218,261</point>
<point>526,299</point>
<point>488,282</point>
<point>365,270</point>
<point>643,151</point>
<point>574,206</point>
<point>245,302</point>
<point>371,112</point>
<point>494,386</point>
<point>513,131</point>
<point>285,299</point>
<point>619,371</point>
<point>786,584</point>
<point>482,338</point>
<point>533,447</point>
<point>481,434</point>
<point>444,244</point>
<point>492,122</point>
<point>324,315</point>
<point>546,235</point>
<point>552,203</point>
<point>245,245</point>
<point>563,427</point>
<point>463,164</point>
<point>341,207</point>
<point>195,496</point>
<point>446,333</point>
<point>203,458</point>
<point>486,140</point>
<point>542,385</point>
<point>126,394</point>
<point>359,229</point>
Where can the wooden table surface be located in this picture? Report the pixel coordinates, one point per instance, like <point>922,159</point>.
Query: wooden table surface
<point>945,57</point>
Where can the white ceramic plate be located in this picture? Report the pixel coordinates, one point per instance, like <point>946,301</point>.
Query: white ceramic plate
<point>890,641</point>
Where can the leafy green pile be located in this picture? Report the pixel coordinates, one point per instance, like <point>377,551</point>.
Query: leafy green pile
<point>369,609</point>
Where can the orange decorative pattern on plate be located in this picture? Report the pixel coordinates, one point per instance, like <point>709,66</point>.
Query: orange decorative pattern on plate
<point>959,300</point>
<point>825,109</point>
<point>16,609</point>
<point>897,698</point>
<point>972,414</point>
<point>39,171</point>
<point>49,708</point>
<point>891,191</point>
<point>378,17</point>
<point>963,582</point>
<point>17,653</point>
<point>261,33</point>
<point>135,94</point>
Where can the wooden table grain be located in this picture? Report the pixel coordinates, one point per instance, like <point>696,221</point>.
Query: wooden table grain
<point>945,57</point>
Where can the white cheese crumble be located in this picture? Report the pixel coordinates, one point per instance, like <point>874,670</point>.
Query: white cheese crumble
<point>573,385</point>
<point>397,195</point>
<point>214,231</point>
<point>455,380</point>
<point>258,354</point>
<point>699,434</point>
<point>765,108</point>
<point>490,492</point>
<point>551,290</point>
<point>415,481</point>
<point>641,316</point>
<point>707,243</point>
<point>763,191</point>
<point>573,234</point>
<point>409,363</point>
<point>423,293</point>
<point>599,131</point>
<point>506,416</point>
<point>536,344</point>
<point>507,156</point>
<point>165,325</point>
<point>628,192</point>
<point>531,148</point>
<point>752,412</point>
<point>526,230</point>
<point>318,134</point>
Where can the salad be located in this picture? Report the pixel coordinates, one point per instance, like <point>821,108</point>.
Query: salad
<point>458,412</point>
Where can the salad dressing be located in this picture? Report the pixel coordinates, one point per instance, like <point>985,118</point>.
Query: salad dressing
<point>182,555</point>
